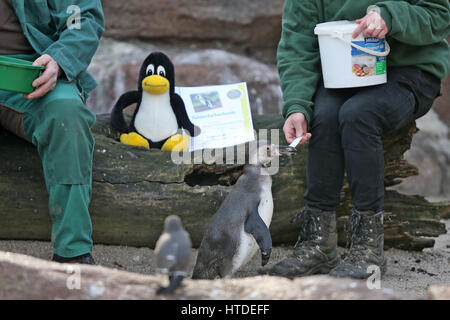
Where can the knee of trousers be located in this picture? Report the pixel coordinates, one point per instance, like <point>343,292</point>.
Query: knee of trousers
<point>71,113</point>
<point>65,142</point>
<point>65,119</point>
<point>325,130</point>
<point>359,125</point>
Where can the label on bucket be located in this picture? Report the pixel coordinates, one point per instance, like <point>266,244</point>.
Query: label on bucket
<point>364,64</point>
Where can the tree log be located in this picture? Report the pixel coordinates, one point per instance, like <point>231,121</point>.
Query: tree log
<point>135,189</point>
<point>27,278</point>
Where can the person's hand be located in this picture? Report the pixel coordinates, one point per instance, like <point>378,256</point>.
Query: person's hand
<point>296,126</point>
<point>372,25</point>
<point>47,81</point>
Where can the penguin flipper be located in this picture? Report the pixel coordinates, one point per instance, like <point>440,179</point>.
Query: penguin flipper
<point>182,117</point>
<point>255,226</point>
<point>117,120</point>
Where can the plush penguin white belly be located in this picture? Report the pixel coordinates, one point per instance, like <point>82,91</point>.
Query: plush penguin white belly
<point>155,119</point>
<point>248,245</point>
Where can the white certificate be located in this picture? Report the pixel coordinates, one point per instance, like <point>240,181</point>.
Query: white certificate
<point>222,113</point>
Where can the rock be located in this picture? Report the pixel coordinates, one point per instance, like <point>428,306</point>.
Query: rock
<point>430,153</point>
<point>116,67</point>
<point>24,277</point>
<point>441,105</point>
<point>246,26</point>
<point>439,293</point>
<point>220,67</point>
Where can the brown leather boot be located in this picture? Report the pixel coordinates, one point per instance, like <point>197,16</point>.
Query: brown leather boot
<point>316,249</point>
<point>366,238</point>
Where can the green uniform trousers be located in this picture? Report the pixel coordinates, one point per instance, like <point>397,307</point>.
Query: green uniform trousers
<point>59,125</point>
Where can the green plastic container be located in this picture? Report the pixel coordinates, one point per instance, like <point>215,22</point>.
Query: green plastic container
<point>17,75</point>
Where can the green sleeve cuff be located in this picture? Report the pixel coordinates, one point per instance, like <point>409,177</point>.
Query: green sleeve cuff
<point>387,18</point>
<point>307,112</point>
<point>64,59</point>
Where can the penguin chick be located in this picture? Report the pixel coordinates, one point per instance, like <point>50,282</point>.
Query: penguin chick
<point>172,253</point>
<point>241,224</point>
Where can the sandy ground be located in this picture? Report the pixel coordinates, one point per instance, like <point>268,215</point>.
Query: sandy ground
<point>409,272</point>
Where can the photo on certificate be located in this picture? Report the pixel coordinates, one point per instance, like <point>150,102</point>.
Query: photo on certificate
<point>206,101</point>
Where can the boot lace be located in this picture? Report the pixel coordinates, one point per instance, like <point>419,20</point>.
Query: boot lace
<point>354,227</point>
<point>308,227</point>
<point>357,238</point>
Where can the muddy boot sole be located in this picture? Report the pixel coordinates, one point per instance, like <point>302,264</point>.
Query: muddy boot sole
<point>322,268</point>
<point>348,271</point>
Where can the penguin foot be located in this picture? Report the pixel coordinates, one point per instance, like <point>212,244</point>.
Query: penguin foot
<point>265,256</point>
<point>165,291</point>
<point>134,139</point>
<point>178,143</point>
<point>175,282</point>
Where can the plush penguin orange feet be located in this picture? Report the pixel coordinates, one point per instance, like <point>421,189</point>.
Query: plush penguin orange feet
<point>160,118</point>
<point>134,139</point>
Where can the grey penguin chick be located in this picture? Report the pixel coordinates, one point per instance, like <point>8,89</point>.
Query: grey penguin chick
<point>172,253</point>
<point>241,224</point>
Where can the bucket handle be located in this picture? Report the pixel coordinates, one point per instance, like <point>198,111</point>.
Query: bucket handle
<point>387,49</point>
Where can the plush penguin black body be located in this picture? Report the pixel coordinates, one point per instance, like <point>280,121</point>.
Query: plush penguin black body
<point>160,112</point>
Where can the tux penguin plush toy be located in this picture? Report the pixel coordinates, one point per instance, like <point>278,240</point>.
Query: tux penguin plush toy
<point>160,119</point>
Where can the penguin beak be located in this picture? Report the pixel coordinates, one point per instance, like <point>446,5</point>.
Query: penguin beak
<point>155,84</point>
<point>287,150</point>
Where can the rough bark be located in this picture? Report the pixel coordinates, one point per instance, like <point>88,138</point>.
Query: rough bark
<point>135,189</point>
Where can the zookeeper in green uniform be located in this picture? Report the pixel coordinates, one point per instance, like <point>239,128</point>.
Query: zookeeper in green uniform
<point>54,117</point>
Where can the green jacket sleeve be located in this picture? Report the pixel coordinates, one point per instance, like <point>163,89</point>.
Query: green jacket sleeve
<point>422,23</point>
<point>75,48</point>
<point>298,57</point>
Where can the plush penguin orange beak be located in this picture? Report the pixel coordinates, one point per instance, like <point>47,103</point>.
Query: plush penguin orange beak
<point>155,84</point>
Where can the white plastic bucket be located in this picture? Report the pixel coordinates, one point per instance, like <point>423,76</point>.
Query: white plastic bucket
<point>348,62</point>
